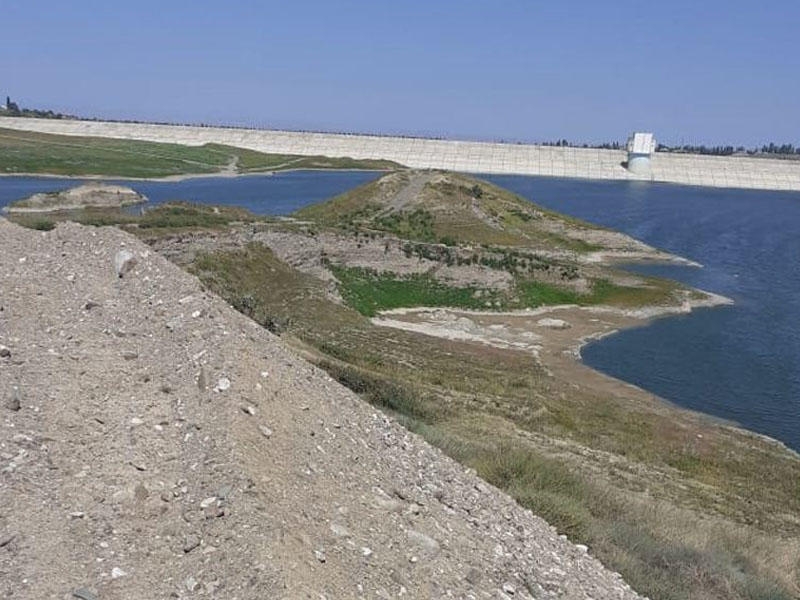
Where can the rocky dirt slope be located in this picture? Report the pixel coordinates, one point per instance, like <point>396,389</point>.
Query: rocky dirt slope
<point>154,443</point>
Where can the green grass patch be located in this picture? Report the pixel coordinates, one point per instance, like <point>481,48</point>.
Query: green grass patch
<point>654,291</point>
<point>28,152</point>
<point>536,293</point>
<point>370,292</point>
<point>410,225</point>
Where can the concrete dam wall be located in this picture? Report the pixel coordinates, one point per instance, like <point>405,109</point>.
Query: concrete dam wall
<point>470,157</point>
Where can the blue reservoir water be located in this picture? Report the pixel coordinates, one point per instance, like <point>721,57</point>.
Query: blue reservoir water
<point>741,362</point>
<point>278,194</point>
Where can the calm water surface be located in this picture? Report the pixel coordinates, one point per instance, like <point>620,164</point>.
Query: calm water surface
<point>278,194</point>
<point>740,363</point>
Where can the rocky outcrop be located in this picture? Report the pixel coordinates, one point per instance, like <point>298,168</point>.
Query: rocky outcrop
<point>89,195</point>
<point>163,445</point>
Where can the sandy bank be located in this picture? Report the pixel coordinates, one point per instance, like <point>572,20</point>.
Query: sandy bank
<point>553,334</point>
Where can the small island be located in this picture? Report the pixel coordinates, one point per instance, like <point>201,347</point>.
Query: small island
<point>89,195</point>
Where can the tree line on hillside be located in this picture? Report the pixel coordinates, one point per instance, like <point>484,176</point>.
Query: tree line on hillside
<point>568,144</point>
<point>771,148</point>
<point>721,150</point>
<point>13,109</point>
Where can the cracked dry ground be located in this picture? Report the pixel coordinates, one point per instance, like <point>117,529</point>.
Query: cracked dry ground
<point>154,443</point>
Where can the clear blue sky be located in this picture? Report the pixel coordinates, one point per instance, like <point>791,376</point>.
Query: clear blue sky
<point>709,71</point>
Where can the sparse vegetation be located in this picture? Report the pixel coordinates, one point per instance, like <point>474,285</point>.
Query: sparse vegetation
<point>383,392</point>
<point>663,562</point>
<point>411,225</point>
<point>40,223</point>
<point>186,214</point>
<point>170,215</point>
<point>452,209</point>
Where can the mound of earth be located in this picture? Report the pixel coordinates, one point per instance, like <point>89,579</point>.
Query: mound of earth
<point>452,208</point>
<point>155,443</point>
<point>89,195</point>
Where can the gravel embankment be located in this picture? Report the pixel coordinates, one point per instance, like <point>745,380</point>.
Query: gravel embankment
<point>154,443</point>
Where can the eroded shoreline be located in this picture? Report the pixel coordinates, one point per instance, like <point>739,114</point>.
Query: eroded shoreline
<point>556,328</point>
<point>555,336</point>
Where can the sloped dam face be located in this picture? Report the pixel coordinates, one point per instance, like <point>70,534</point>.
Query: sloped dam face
<point>468,157</point>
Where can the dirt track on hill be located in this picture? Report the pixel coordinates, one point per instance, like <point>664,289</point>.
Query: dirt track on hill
<point>154,443</point>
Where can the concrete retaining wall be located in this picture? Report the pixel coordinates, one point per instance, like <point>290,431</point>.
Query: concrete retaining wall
<point>472,157</point>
